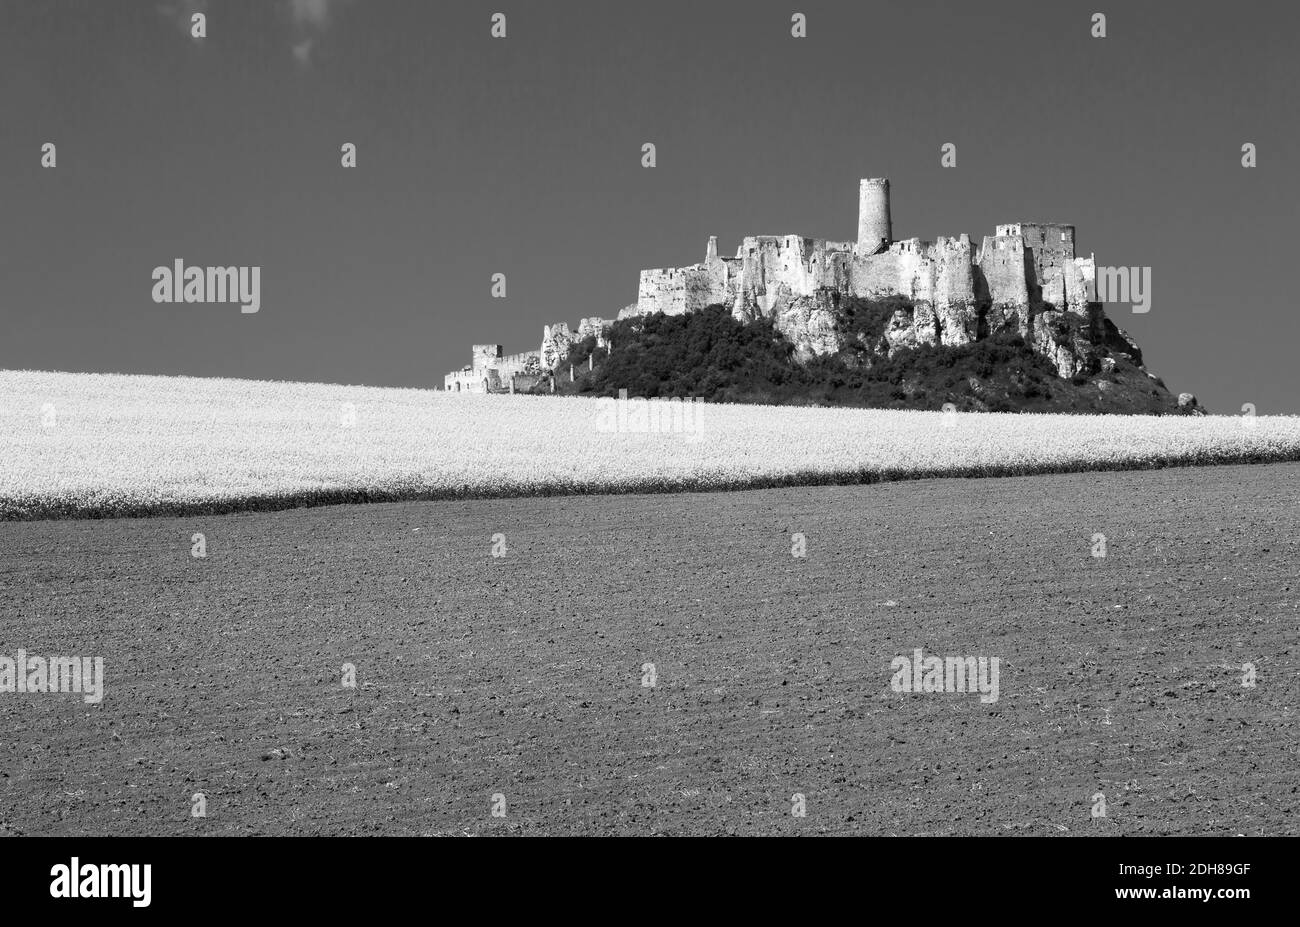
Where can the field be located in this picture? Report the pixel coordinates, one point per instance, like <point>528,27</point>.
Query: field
<point>602,653</point>
<point>522,675</point>
<point>79,445</point>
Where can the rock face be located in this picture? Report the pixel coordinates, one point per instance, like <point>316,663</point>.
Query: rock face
<point>556,341</point>
<point>1077,341</point>
<point>809,323</point>
<point>1024,278</point>
<point>595,327</point>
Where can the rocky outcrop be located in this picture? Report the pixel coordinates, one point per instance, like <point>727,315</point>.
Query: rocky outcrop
<point>1077,341</point>
<point>556,341</point>
<point>595,327</point>
<point>1072,333</point>
<point>809,323</point>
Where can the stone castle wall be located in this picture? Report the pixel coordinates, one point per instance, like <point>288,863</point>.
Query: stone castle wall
<point>1003,270</point>
<point>491,370</point>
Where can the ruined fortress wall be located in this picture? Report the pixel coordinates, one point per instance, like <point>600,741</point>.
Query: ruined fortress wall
<point>719,272</point>
<point>1050,250</point>
<point>1051,244</point>
<point>876,275</point>
<point>485,355</point>
<point>773,269</point>
<point>1080,285</point>
<point>466,381</point>
<point>826,265</point>
<point>732,274</point>
<point>954,281</point>
<point>661,290</point>
<point>676,290</point>
<point>766,268</point>
<point>1002,264</point>
<point>953,294</point>
<point>904,269</point>
<point>704,287</point>
<point>511,365</point>
<point>774,262</point>
<point>907,268</point>
<point>830,268</point>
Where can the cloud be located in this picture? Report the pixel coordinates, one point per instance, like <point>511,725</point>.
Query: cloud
<point>310,19</point>
<point>315,13</point>
<point>302,50</point>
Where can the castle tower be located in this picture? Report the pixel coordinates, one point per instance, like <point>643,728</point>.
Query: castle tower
<point>873,215</point>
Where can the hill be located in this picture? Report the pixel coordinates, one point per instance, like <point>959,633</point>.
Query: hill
<point>712,356</point>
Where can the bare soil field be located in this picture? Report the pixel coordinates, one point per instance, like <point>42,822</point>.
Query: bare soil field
<point>521,675</point>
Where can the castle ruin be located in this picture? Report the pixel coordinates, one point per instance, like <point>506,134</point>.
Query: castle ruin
<point>493,371</point>
<point>1025,278</point>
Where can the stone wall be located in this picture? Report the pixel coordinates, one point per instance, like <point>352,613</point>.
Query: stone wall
<point>1003,282</point>
<point>677,290</point>
<point>469,380</point>
<point>491,371</point>
<point>485,355</point>
<point>953,290</point>
<point>528,362</point>
<point>663,290</point>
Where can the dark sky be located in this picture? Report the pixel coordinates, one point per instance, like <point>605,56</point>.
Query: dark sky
<point>522,156</point>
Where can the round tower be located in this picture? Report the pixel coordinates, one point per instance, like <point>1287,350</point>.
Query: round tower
<point>873,215</point>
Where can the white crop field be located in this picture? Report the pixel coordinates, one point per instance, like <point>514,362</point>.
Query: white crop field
<point>96,444</point>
